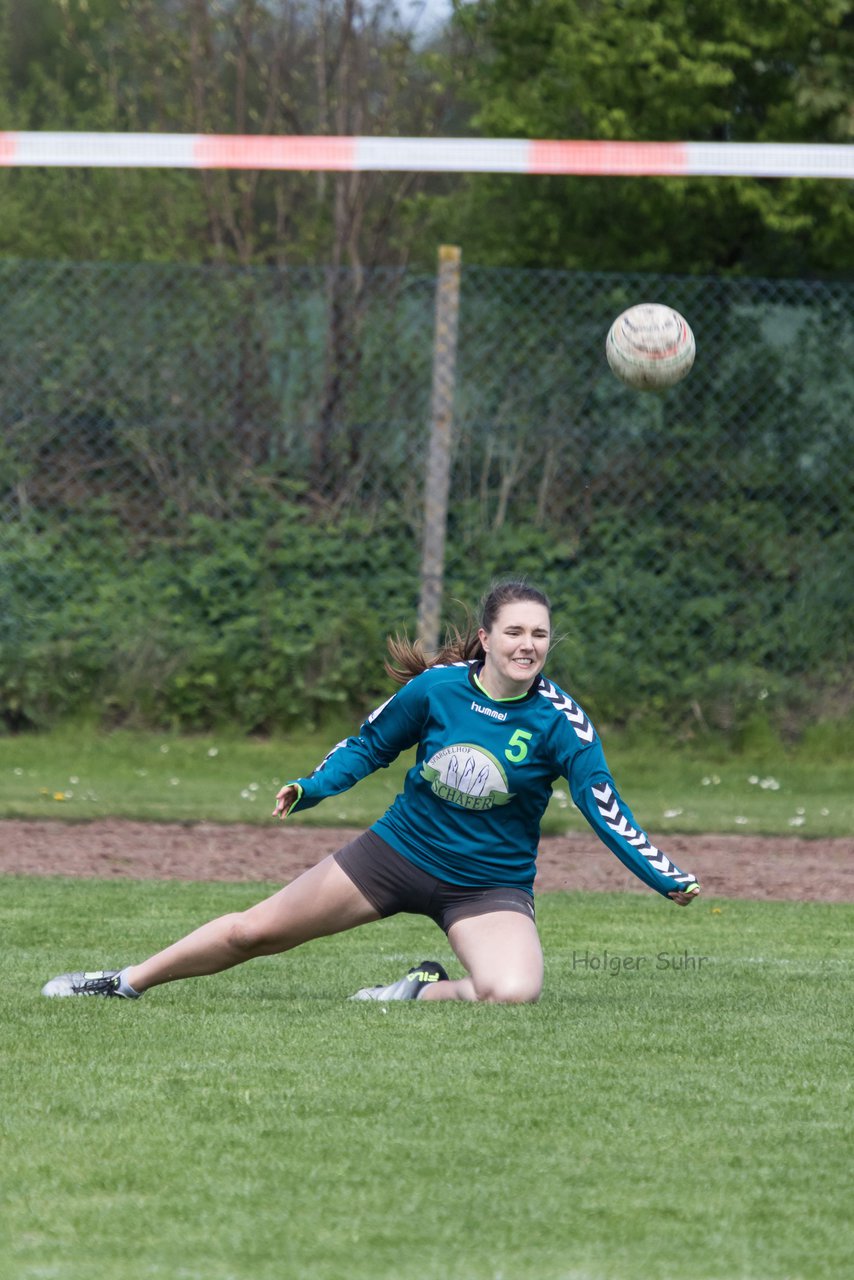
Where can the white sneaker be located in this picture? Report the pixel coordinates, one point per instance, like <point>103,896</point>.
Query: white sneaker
<point>408,987</point>
<point>101,982</point>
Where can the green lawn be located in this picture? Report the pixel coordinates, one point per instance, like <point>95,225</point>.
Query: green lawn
<point>82,774</point>
<point>676,1107</point>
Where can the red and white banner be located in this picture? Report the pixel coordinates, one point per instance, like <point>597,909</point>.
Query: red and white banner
<point>435,155</point>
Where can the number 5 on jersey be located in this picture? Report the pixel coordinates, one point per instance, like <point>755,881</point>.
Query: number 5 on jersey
<point>517,749</point>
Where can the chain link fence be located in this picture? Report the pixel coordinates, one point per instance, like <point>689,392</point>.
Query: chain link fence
<point>699,544</point>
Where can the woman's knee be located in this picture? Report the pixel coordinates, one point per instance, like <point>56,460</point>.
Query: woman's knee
<point>509,988</point>
<point>245,933</point>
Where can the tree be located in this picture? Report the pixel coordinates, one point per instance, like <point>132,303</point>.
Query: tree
<point>772,70</point>
<point>239,67</point>
<point>233,67</point>
<point>61,68</point>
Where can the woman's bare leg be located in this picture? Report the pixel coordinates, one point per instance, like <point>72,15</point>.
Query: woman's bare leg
<point>322,901</point>
<point>503,958</point>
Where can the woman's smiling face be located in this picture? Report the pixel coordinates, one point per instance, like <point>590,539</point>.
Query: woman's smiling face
<point>516,648</point>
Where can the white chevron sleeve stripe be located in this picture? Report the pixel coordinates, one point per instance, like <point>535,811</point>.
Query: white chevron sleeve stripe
<point>618,823</point>
<point>576,717</point>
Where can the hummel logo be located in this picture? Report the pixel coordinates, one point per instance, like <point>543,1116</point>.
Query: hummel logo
<point>489,711</point>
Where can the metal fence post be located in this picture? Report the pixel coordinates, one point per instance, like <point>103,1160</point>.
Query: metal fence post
<point>437,478</point>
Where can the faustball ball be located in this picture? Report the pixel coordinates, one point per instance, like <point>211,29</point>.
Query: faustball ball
<point>650,347</point>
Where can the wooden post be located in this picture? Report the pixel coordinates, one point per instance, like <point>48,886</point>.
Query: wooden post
<point>438,474</point>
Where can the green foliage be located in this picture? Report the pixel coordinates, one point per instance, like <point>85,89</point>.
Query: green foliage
<point>255,1124</point>
<point>268,620</point>
<point>188,67</point>
<point>830,739</point>
<point>199,532</point>
<point>656,70</point>
<point>647,69</point>
<point>276,619</point>
<point>171,383</point>
<point>56,75</point>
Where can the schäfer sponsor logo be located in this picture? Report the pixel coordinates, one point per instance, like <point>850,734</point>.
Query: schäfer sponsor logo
<point>466,776</point>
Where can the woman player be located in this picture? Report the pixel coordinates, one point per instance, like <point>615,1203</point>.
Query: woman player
<point>459,844</point>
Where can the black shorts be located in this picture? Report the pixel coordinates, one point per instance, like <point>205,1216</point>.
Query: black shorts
<point>392,883</point>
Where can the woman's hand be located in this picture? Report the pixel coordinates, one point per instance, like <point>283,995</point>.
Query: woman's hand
<point>684,897</point>
<point>285,799</point>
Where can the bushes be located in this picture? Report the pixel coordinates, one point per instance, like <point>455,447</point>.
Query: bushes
<point>698,546</point>
<point>686,618</point>
<point>266,621</point>
<point>276,619</point>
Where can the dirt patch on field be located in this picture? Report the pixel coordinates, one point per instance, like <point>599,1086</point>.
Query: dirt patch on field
<point>727,866</point>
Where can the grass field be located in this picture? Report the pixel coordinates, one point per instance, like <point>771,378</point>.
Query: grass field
<point>678,1105</point>
<point>78,774</point>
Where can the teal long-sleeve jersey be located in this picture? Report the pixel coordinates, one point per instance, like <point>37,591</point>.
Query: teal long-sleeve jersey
<point>472,803</point>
